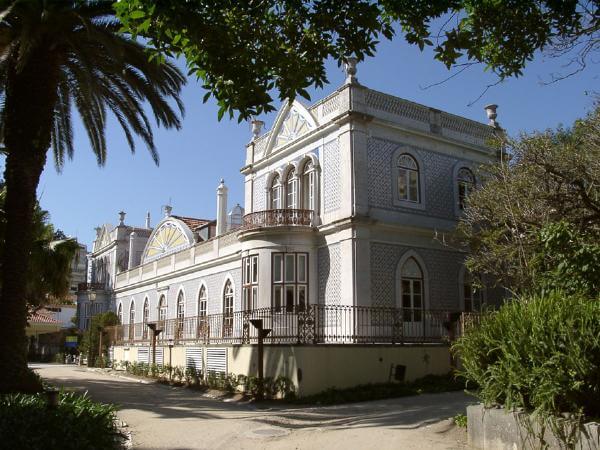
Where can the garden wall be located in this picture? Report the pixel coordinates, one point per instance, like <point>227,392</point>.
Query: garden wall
<point>497,429</point>
<point>312,368</point>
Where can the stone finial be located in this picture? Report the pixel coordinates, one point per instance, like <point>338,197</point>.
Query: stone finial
<point>121,218</point>
<point>98,230</point>
<point>148,220</point>
<point>490,110</point>
<point>168,210</point>
<point>257,126</point>
<point>350,70</point>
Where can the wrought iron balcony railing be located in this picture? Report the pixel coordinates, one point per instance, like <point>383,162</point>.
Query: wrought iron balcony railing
<point>315,324</point>
<point>90,286</point>
<point>279,217</point>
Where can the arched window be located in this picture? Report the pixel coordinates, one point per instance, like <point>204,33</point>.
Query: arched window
<point>472,294</point>
<point>408,179</point>
<point>180,314</point>
<point>466,183</point>
<point>131,320</point>
<point>120,313</point>
<point>291,189</point>
<point>202,304</point>
<point>411,290</point>
<point>308,186</point>
<point>162,309</point>
<point>145,315</point>
<point>275,190</point>
<point>228,309</point>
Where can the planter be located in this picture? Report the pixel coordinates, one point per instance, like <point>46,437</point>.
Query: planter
<point>499,429</point>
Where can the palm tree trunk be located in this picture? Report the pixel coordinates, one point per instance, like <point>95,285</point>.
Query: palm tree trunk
<point>29,104</point>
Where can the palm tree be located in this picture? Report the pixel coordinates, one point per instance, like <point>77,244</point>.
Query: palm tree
<point>55,54</point>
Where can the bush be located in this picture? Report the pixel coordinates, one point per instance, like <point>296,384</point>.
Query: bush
<point>541,353</point>
<point>77,422</point>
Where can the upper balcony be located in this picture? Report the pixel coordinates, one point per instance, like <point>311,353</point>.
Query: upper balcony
<point>81,287</point>
<point>279,218</point>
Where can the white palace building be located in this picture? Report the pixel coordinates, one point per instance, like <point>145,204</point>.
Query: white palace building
<point>335,249</point>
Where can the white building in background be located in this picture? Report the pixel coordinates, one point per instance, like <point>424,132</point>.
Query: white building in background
<point>336,243</point>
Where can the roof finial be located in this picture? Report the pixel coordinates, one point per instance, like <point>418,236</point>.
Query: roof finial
<point>491,115</point>
<point>148,219</point>
<point>350,69</point>
<point>168,209</point>
<point>121,218</point>
<point>257,126</point>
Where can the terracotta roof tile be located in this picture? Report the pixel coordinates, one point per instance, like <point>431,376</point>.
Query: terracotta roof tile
<point>192,222</point>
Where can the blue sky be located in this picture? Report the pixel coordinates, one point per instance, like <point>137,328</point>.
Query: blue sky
<point>193,159</point>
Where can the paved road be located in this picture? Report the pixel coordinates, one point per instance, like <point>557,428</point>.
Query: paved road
<point>161,417</point>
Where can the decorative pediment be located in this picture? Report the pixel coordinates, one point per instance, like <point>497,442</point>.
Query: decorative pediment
<point>293,121</point>
<point>103,238</point>
<point>169,236</point>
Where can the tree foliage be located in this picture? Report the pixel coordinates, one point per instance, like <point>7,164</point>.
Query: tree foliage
<point>244,50</point>
<point>535,222</point>
<point>90,340</point>
<point>49,273</point>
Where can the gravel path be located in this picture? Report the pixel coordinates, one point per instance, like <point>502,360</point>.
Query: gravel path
<point>162,417</point>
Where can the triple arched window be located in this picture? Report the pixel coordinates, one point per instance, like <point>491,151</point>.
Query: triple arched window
<point>408,179</point>
<point>296,190</point>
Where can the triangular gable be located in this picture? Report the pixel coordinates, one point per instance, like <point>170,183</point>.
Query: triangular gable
<point>168,237</point>
<point>293,121</point>
<point>104,239</point>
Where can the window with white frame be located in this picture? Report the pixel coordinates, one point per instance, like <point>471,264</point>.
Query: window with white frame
<point>162,309</point>
<point>290,282</point>
<point>291,190</point>
<point>131,319</point>
<point>466,183</point>
<point>202,306</point>
<point>408,179</point>
<point>275,191</point>
<point>411,290</point>
<point>228,309</point>
<point>308,186</point>
<point>250,282</point>
<point>145,315</point>
<point>180,313</point>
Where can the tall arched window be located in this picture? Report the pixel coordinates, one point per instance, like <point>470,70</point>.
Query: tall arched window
<point>291,189</point>
<point>162,309</point>
<point>408,179</point>
<point>411,290</point>
<point>202,304</point>
<point>472,294</point>
<point>308,186</point>
<point>466,183</point>
<point>228,309</point>
<point>131,320</point>
<point>180,314</point>
<point>275,191</point>
<point>120,313</point>
<point>145,315</point>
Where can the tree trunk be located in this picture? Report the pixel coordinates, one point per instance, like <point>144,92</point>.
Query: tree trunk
<point>28,117</point>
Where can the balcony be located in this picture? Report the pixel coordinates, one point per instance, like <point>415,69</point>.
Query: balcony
<point>278,218</point>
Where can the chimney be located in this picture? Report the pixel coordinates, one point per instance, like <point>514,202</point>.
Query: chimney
<point>148,220</point>
<point>132,239</point>
<point>221,208</point>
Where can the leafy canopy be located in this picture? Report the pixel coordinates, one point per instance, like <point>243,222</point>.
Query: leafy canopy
<point>535,222</point>
<point>244,50</point>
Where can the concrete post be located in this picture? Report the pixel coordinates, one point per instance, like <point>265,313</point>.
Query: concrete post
<point>221,208</point>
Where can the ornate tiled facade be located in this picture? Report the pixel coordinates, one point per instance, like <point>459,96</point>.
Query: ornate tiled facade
<point>331,176</point>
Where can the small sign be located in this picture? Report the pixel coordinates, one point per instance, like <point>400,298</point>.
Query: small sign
<point>71,339</point>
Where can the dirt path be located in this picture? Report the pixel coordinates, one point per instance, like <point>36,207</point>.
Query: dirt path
<point>161,417</point>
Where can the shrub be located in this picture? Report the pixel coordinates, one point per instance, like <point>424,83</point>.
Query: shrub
<point>77,422</point>
<point>541,353</point>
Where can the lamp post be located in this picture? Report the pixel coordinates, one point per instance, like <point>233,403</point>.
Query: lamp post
<point>155,333</point>
<point>170,344</point>
<point>262,333</point>
<point>100,352</point>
